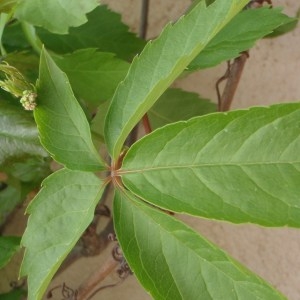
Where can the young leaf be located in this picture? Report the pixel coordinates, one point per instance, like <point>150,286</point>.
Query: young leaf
<point>104,30</point>
<point>241,166</point>
<point>18,134</point>
<point>173,262</point>
<point>59,214</point>
<point>240,35</point>
<point>9,245</point>
<point>64,129</point>
<point>160,63</point>
<point>93,75</point>
<point>55,15</point>
<point>178,105</point>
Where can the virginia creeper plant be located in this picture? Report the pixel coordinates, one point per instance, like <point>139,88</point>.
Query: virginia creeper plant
<point>84,82</point>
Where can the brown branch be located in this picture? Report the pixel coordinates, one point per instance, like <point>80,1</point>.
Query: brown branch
<point>146,124</point>
<point>221,79</point>
<point>144,19</point>
<point>104,287</point>
<point>259,3</point>
<point>98,276</point>
<point>233,75</point>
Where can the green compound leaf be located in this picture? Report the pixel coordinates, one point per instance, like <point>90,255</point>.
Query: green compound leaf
<point>9,245</point>
<point>173,262</point>
<point>241,166</point>
<point>178,105</point>
<point>18,134</point>
<point>240,35</point>
<point>64,129</point>
<point>93,75</point>
<point>160,63</point>
<point>55,15</point>
<point>104,30</point>
<point>59,214</point>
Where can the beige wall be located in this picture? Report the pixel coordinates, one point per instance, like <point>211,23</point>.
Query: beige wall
<point>272,75</point>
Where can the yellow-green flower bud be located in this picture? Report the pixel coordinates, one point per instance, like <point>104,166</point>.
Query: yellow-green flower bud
<point>28,100</point>
<point>16,84</point>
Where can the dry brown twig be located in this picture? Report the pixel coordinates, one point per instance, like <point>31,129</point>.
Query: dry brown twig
<point>233,75</point>
<point>96,278</point>
<point>234,70</point>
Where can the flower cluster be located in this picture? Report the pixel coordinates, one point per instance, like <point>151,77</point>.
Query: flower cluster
<point>28,100</point>
<point>16,84</point>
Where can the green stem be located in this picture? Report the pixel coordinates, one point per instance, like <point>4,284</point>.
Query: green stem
<point>34,40</point>
<point>32,37</point>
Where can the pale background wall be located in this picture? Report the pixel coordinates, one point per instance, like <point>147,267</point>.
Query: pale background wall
<point>272,75</point>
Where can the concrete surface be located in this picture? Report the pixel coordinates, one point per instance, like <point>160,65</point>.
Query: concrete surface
<point>272,75</point>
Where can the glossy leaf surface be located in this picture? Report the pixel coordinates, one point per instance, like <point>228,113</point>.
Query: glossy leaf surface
<point>18,134</point>
<point>241,166</point>
<point>93,75</point>
<point>177,105</point>
<point>64,129</point>
<point>9,245</point>
<point>104,30</point>
<point>55,15</point>
<point>59,214</point>
<point>173,262</point>
<point>240,35</point>
<point>160,63</point>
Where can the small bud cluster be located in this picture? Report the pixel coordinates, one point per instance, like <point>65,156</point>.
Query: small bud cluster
<point>16,84</point>
<point>28,100</point>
